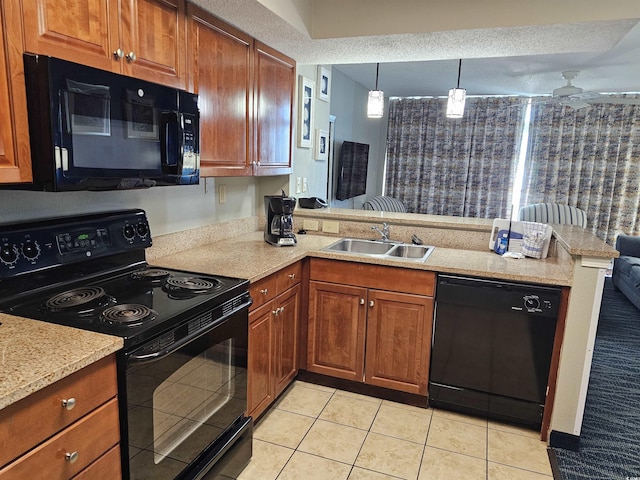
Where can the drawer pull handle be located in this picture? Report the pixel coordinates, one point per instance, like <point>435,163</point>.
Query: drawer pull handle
<point>264,291</point>
<point>71,457</point>
<point>69,403</point>
<point>292,276</point>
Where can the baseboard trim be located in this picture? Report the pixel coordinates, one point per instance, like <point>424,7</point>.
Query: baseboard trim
<point>564,440</point>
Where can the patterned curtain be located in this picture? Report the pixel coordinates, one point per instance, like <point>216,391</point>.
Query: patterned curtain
<point>587,158</point>
<point>460,167</point>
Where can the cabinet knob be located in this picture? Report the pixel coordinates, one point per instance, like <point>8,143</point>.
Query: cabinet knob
<point>258,163</point>
<point>118,54</point>
<point>71,457</point>
<point>292,276</point>
<point>69,403</point>
<point>264,291</point>
<point>131,56</point>
<point>371,303</point>
<point>275,312</point>
<point>362,301</point>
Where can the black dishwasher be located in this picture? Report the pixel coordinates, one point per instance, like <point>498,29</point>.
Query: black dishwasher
<point>491,348</point>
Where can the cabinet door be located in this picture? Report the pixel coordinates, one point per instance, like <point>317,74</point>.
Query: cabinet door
<point>15,156</point>
<point>82,31</point>
<point>398,341</point>
<point>285,348</point>
<point>157,37</point>
<point>337,317</point>
<point>260,392</point>
<point>219,68</point>
<point>273,91</point>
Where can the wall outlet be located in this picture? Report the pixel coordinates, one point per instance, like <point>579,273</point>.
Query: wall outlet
<point>310,225</point>
<point>305,184</point>
<point>330,226</point>
<point>222,194</point>
<point>298,184</point>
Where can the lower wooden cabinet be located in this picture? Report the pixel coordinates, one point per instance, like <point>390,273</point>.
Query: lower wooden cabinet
<point>65,428</point>
<point>273,337</point>
<point>371,324</point>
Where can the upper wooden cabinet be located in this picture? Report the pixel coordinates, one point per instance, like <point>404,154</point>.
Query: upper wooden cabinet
<point>245,94</point>
<point>273,91</point>
<point>15,156</point>
<point>220,62</point>
<point>141,38</point>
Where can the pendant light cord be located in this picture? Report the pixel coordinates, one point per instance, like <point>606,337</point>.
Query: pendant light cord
<point>378,71</point>
<point>459,70</point>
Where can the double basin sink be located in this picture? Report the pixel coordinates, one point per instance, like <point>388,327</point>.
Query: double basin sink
<point>380,249</point>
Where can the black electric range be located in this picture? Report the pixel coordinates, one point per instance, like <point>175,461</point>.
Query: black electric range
<point>90,272</point>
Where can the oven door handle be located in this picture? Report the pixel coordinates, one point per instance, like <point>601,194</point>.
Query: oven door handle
<point>150,357</point>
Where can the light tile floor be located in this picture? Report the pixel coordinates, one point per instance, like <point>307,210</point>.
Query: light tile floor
<point>315,432</point>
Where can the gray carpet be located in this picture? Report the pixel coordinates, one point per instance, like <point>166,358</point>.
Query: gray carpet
<point>610,436</point>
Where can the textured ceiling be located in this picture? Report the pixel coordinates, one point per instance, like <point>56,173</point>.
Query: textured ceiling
<point>511,57</point>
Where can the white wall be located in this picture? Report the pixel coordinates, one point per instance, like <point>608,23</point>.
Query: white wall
<point>304,164</point>
<point>170,209</point>
<point>349,105</point>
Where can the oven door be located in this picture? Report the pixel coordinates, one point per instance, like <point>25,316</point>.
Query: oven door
<point>186,393</point>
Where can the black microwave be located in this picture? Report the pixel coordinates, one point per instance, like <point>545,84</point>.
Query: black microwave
<point>96,130</point>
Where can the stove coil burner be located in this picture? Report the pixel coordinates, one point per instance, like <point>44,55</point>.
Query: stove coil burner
<point>153,275</point>
<point>129,314</point>
<point>187,287</point>
<point>82,300</point>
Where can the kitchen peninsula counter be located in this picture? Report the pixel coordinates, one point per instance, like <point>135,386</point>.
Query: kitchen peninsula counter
<point>35,354</point>
<point>249,256</point>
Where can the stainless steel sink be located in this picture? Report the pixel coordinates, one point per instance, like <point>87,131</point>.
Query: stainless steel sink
<point>387,250</point>
<point>411,252</point>
<point>357,245</point>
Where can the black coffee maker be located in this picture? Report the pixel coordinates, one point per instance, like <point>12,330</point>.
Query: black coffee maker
<point>279,228</point>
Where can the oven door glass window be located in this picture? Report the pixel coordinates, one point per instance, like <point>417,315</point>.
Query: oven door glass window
<point>180,404</point>
<point>189,399</point>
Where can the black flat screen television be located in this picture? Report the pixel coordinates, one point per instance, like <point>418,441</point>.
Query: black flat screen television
<point>352,170</point>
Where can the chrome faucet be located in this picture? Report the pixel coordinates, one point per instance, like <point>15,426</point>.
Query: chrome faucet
<point>384,232</point>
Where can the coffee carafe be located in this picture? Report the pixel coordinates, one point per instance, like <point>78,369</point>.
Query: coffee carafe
<point>279,227</point>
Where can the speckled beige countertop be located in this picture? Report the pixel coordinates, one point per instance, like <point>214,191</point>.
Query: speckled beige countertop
<point>249,256</point>
<point>35,354</point>
<point>574,239</point>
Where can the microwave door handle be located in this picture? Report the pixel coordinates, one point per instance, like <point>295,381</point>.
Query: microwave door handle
<point>171,125</point>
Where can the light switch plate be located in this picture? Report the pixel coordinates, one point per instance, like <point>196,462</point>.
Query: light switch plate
<point>330,226</point>
<point>298,184</point>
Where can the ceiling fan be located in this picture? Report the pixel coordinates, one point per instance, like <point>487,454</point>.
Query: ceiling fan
<point>575,97</point>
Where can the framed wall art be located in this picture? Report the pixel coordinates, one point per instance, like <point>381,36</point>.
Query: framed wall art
<point>321,151</point>
<point>324,83</point>
<point>305,112</point>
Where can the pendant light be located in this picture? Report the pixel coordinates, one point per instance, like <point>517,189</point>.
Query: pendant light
<point>457,97</point>
<point>375,104</point>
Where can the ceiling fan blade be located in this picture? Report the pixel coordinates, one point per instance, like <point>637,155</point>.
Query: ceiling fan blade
<point>615,101</point>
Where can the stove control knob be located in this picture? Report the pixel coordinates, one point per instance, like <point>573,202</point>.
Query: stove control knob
<point>129,232</point>
<point>143,229</point>
<point>31,250</point>
<point>9,254</point>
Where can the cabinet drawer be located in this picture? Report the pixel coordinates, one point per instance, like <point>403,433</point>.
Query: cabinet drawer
<point>90,437</point>
<point>288,277</point>
<point>34,419</point>
<point>107,467</point>
<point>263,291</point>
<point>406,280</point>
